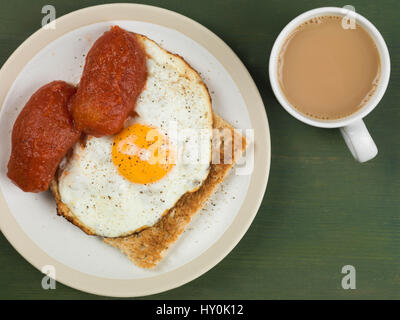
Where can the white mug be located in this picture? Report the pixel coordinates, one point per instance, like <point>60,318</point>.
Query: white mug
<point>352,127</point>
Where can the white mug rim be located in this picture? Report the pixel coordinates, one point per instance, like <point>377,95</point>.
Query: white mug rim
<point>384,75</point>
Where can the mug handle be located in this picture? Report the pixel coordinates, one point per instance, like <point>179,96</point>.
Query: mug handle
<point>359,141</point>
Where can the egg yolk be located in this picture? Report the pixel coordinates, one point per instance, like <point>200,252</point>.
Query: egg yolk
<point>142,154</point>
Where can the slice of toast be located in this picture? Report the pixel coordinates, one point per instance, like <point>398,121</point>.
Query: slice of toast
<point>147,247</point>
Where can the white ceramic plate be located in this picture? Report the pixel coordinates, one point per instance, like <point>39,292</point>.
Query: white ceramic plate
<point>59,55</point>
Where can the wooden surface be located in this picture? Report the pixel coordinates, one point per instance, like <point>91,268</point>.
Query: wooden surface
<point>321,211</point>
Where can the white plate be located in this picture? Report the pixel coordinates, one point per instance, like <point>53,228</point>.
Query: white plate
<point>35,214</point>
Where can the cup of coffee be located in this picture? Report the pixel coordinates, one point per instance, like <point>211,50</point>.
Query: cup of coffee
<point>330,67</point>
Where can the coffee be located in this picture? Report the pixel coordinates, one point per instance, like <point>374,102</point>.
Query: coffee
<point>328,72</point>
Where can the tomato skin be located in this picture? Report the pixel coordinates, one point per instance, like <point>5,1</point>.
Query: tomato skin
<point>113,77</point>
<point>42,135</point>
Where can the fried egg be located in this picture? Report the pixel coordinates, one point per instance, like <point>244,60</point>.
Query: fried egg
<point>117,185</point>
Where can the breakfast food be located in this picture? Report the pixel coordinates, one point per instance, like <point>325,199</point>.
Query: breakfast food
<point>141,147</point>
<point>114,185</point>
<point>41,136</point>
<point>113,77</point>
<point>147,248</point>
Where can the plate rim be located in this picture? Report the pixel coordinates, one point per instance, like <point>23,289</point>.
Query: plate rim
<point>262,151</point>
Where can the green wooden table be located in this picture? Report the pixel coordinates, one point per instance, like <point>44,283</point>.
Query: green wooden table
<point>321,211</point>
